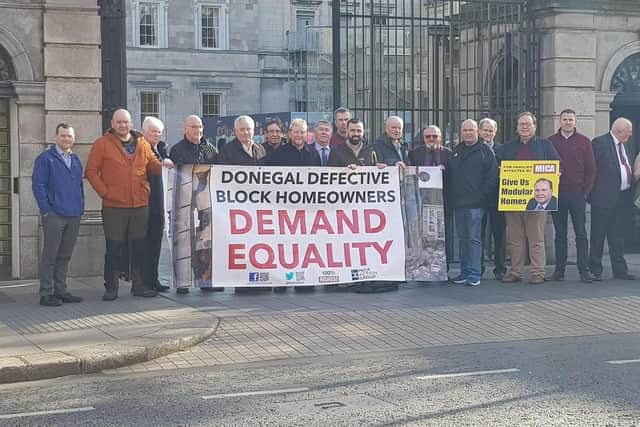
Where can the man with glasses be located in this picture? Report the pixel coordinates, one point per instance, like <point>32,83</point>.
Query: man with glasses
<point>433,153</point>
<point>275,137</point>
<point>526,227</point>
<point>194,149</point>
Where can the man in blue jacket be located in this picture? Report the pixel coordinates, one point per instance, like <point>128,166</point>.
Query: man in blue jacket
<point>57,187</point>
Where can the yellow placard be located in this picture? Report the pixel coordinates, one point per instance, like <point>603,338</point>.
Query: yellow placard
<point>528,185</point>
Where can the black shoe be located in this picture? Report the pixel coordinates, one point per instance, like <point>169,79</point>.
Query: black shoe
<point>597,277</point>
<point>499,276</point>
<point>182,291</point>
<point>624,276</point>
<point>110,294</point>
<point>162,288</point>
<point>68,298</point>
<point>558,276</point>
<point>50,301</point>
<point>585,277</point>
<point>146,293</point>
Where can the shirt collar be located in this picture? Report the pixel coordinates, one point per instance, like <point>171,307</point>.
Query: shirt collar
<point>615,140</point>
<point>62,153</point>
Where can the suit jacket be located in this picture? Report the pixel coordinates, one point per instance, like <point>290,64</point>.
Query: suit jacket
<point>551,206</point>
<point>289,155</point>
<point>418,156</point>
<point>156,198</point>
<point>606,189</point>
<point>233,154</point>
<point>385,152</point>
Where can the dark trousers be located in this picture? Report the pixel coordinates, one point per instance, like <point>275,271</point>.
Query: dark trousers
<point>493,221</point>
<point>572,203</point>
<point>122,226</point>
<point>60,234</point>
<point>153,246</point>
<point>611,222</point>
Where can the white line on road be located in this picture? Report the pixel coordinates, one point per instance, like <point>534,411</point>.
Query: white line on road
<point>51,412</point>
<point>468,374</point>
<point>622,362</point>
<point>256,393</point>
<point>21,285</point>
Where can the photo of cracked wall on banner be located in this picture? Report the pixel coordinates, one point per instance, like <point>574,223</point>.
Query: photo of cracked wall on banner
<point>353,241</point>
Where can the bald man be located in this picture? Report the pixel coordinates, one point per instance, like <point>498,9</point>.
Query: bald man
<point>611,199</point>
<point>117,169</point>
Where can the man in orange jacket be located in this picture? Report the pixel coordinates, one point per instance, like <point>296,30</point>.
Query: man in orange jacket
<point>117,169</point>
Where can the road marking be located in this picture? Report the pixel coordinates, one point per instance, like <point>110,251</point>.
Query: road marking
<point>468,374</point>
<point>256,393</point>
<point>51,412</point>
<point>622,362</point>
<point>21,285</point>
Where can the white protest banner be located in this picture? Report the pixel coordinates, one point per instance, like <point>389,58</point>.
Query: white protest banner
<point>305,226</point>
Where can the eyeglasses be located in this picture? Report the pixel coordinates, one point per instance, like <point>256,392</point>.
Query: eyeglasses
<point>195,127</point>
<point>432,136</point>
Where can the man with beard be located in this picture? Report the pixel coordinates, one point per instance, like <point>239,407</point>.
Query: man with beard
<point>351,153</point>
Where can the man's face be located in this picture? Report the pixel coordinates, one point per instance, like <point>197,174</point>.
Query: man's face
<point>298,135</point>
<point>393,129</point>
<point>341,120</point>
<point>274,134</point>
<point>244,132</point>
<point>121,124</point>
<point>431,138</point>
<point>624,134</point>
<point>526,128</point>
<point>568,122</point>
<point>487,132</point>
<point>355,133</point>
<point>542,192</point>
<point>193,130</point>
<point>323,134</point>
<point>65,139</point>
<point>152,134</point>
<point>469,133</point>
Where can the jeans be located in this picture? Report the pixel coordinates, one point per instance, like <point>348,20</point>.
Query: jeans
<point>469,225</point>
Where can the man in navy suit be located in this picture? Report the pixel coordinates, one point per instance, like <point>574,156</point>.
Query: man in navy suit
<point>543,199</point>
<point>611,200</point>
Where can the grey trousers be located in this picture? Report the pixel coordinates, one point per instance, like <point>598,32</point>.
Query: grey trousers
<point>60,233</point>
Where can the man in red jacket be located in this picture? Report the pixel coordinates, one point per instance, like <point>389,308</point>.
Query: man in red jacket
<point>117,169</point>
<point>576,182</point>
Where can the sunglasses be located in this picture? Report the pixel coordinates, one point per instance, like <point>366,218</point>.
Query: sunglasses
<point>431,136</point>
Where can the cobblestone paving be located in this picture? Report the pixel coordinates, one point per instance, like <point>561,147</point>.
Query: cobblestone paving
<point>279,335</point>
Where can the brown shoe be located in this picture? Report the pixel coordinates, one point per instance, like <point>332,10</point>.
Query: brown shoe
<point>511,278</point>
<point>536,281</point>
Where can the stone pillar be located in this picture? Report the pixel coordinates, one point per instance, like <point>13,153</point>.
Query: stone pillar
<point>72,72</point>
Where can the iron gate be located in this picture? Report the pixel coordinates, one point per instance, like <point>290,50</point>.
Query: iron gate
<point>435,62</point>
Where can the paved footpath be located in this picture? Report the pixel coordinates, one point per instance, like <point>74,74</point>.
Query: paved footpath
<point>138,334</point>
<point>270,326</point>
<point>39,342</point>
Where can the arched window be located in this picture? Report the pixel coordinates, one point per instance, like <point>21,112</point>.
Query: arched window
<point>6,67</point>
<point>627,75</point>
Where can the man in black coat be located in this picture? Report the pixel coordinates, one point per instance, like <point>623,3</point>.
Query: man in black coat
<point>274,136</point>
<point>242,150</point>
<point>350,153</point>
<point>194,149</point>
<point>297,152</point>
<point>152,129</point>
<point>611,200</point>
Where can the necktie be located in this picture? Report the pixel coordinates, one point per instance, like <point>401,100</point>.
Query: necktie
<point>623,160</point>
<point>539,207</point>
<point>323,156</point>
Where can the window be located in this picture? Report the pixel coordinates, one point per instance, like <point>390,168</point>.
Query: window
<point>149,105</point>
<point>211,31</point>
<point>149,24</point>
<point>211,104</point>
<point>210,24</point>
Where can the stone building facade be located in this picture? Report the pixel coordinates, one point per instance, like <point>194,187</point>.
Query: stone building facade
<point>49,73</point>
<point>212,57</point>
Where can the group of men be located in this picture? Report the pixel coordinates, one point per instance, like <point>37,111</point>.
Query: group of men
<point>598,173</point>
<point>124,168</point>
